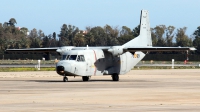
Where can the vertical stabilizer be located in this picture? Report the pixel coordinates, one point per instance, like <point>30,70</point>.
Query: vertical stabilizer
<point>144,38</point>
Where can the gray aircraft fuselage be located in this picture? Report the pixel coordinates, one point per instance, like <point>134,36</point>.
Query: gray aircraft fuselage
<point>96,62</point>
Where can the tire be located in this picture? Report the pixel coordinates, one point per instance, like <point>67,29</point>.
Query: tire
<point>115,77</point>
<point>85,78</point>
<point>65,79</point>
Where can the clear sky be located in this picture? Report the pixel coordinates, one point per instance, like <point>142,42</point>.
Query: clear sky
<point>50,15</point>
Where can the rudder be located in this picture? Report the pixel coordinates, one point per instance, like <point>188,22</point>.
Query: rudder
<point>144,38</point>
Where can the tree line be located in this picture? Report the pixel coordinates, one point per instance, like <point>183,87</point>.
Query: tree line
<point>162,35</point>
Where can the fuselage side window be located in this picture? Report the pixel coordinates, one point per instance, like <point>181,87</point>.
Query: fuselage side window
<point>80,58</point>
<point>72,57</point>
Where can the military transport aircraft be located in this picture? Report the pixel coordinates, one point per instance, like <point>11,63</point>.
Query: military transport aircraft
<point>112,60</point>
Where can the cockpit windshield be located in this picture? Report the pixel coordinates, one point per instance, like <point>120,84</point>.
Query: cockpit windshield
<point>71,57</point>
<point>64,57</point>
<point>79,58</point>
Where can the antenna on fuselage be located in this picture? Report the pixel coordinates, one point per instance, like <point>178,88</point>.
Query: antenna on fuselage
<point>87,46</point>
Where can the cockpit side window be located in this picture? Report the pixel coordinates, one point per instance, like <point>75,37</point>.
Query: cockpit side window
<point>72,57</point>
<point>63,57</point>
<point>80,58</point>
<point>67,57</point>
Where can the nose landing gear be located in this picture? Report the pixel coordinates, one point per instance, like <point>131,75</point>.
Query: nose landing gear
<point>65,79</point>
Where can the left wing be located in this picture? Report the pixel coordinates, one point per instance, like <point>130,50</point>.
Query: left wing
<point>53,49</point>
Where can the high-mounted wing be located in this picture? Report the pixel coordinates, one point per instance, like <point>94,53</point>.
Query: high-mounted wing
<point>53,49</point>
<point>156,49</point>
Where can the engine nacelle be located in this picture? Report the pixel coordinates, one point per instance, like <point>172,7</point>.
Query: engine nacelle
<point>116,50</point>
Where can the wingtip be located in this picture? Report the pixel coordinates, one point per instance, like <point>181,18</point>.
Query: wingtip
<point>193,49</point>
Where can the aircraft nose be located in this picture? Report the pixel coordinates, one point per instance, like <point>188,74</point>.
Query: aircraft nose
<point>62,68</point>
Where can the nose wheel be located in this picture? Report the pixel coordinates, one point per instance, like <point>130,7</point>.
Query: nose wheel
<point>65,79</point>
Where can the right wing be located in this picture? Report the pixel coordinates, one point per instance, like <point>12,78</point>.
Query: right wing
<point>157,49</point>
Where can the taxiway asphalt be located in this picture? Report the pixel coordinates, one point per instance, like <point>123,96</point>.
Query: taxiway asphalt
<point>139,90</point>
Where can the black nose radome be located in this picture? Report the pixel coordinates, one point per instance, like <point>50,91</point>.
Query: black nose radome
<point>60,68</point>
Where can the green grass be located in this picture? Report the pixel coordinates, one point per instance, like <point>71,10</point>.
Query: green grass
<point>26,62</point>
<point>54,62</point>
<point>165,67</point>
<point>21,69</point>
<point>25,69</point>
<point>167,62</point>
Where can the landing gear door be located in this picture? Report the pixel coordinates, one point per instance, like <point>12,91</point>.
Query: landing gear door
<point>88,66</point>
<point>123,61</point>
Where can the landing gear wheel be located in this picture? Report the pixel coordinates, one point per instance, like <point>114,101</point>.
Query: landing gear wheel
<point>115,77</point>
<point>85,78</point>
<point>65,79</point>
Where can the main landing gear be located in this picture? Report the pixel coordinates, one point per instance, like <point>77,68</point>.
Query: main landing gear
<point>85,78</point>
<point>115,77</point>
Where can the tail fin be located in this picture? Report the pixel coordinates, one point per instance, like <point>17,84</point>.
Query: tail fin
<point>144,38</point>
